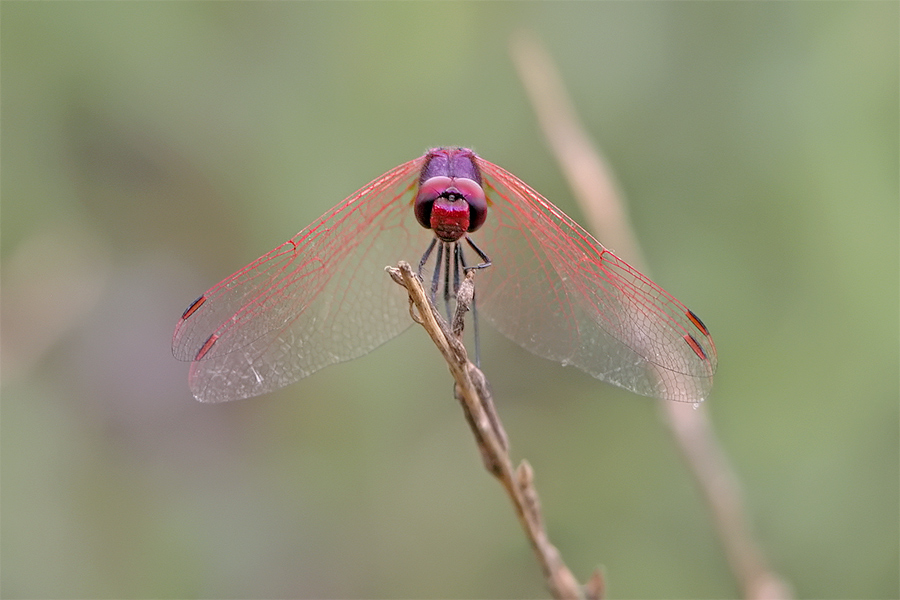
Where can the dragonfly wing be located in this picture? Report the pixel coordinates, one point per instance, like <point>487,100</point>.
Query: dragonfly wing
<point>556,291</point>
<point>320,298</point>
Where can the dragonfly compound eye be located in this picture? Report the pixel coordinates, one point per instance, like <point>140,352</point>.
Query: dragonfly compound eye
<point>450,206</point>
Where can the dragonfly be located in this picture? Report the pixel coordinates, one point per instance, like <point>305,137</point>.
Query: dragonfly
<point>322,297</point>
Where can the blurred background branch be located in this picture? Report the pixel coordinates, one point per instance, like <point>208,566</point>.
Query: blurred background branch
<point>592,183</point>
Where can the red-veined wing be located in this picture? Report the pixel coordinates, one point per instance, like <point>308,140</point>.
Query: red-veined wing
<point>320,298</point>
<point>556,291</point>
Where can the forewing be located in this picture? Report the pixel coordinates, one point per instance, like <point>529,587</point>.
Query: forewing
<point>320,298</point>
<point>560,294</point>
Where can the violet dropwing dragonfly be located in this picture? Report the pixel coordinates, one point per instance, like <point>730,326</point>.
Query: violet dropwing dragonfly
<point>322,297</point>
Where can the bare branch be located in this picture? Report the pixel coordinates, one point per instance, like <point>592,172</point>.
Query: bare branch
<point>473,392</point>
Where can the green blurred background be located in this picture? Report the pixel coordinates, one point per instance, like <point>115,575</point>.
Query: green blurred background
<point>150,149</point>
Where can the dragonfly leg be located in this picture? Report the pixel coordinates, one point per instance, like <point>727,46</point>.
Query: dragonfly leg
<point>486,262</point>
<point>447,289</point>
<point>474,305</point>
<point>426,255</point>
<point>436,276</point>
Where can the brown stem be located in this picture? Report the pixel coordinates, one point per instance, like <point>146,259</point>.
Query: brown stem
<point>473,392</point>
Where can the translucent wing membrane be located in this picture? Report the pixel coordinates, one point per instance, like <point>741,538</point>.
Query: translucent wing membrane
<point>320,298</point>
<point>560,294</point>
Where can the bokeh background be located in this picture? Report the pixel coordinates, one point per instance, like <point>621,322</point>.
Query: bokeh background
<point>150,149</point>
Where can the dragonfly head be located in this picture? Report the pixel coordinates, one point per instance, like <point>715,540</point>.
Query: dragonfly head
<point>450,200</point>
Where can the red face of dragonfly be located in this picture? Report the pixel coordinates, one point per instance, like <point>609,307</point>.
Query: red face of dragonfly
<point>322,297</point>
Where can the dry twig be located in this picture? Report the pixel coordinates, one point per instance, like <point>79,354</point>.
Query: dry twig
<point>473,392</point>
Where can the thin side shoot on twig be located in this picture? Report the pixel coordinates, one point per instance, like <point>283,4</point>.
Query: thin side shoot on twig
<point>473,392</point>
